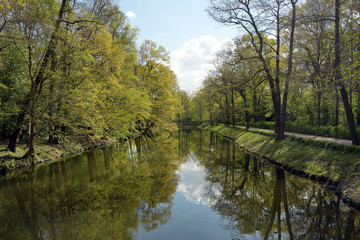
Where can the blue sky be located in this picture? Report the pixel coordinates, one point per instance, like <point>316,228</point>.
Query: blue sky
<point>184,29</point>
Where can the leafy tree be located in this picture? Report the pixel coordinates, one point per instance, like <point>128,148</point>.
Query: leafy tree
<point>258,23</point>
<point>84,76</point>
<point>33,13</point>
<point>159,81</point>
<point>338,78</point>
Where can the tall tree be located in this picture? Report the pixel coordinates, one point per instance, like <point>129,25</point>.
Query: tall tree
<point>339,80</point>
<point>257,19</point>
<point>159,81</point>
<point>37,81</point>
<point>313,39</point>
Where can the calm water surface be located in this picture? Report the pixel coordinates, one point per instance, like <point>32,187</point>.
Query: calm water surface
<point>190,185</point>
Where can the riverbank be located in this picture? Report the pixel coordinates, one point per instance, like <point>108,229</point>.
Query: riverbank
<point>45,152</point>
<point>335,166</point>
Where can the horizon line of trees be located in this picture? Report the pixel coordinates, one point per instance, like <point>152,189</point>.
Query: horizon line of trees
<point>294,64</point>
<point>71,69</point>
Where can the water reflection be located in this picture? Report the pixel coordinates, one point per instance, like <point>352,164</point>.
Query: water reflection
<point>102,194</point>
<point>258,200</point>
<point>194,185</point>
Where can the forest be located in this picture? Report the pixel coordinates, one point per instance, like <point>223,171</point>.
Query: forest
<point>295,67</point>
<point>71,70</point>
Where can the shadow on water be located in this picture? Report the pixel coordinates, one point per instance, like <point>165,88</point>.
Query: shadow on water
<point>122,190</point>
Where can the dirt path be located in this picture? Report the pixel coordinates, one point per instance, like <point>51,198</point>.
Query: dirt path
<point>313,137</point>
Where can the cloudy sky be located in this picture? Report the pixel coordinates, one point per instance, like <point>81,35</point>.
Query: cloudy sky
<point>184,29</point>
<point>192,183</point>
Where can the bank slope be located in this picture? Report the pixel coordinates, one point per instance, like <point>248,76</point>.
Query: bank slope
<point>334,165</point>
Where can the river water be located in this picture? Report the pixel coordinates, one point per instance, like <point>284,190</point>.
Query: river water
<point>189,185</point>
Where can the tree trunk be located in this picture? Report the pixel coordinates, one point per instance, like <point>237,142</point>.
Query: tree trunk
<point>336,122</point>
<point>349,116</point>
<point>277,111</point>
<point>281,133</point>
<point>319,108</point>
<point>233,107</point>
<point>254,107</point>
<point>52,135</point>
<point>19,123</point>
<point>277,108</point>
<point>32,130</point>
<point>52,139</point>
<point>227,110</point>
<point>338,78</point>
<point>246,109</point>
<point>31,151</point>
<point>358,108</point>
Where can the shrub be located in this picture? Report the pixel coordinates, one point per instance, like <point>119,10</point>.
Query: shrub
<point>264,125</point>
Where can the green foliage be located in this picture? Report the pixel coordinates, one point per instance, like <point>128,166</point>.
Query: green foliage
<point>13,85</point>
<point>88,79</point>
<point>265,125</point>
<point>341,131</point>
<point>159,81</point>
<point>314,103</point>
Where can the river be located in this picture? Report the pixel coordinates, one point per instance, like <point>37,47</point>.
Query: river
<point>188,185</point>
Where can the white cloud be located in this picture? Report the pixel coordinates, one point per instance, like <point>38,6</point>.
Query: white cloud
<point>192,185</point>
<point>192,61</point>
<point>130,15</point>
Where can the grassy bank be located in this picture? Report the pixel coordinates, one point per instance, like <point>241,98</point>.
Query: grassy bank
<point>340,131</point>
<point>336,166</point>
<point>45,152</point>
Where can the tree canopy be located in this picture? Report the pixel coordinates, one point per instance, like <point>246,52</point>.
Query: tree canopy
<point>72,69</point>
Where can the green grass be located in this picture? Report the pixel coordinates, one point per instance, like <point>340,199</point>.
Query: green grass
<point>321,160</point>
<point>340,131</point>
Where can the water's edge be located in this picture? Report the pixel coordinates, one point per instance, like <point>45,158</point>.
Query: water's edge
<point>57,153</point>
<point>338,187</point>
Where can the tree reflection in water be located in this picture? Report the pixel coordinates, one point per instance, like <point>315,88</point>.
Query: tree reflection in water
<point>260,200</point>
<point>116,192</point>
<point>101,194</point>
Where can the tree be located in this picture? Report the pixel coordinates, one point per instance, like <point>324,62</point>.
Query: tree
<point>37,78</point>
<point>159,81</point>
<point>338,77</point>
<point>257,18</point>
<point>249,76</point>
<point>313,39</point>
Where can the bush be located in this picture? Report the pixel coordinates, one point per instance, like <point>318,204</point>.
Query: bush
<point>325,131</point>
<point>264,125</point>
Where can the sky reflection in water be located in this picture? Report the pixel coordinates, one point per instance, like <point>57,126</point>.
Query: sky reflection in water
<point>192,183</point>
<point>191,216</point>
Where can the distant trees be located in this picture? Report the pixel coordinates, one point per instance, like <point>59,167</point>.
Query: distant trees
<point>72,68</point>
<point>306,51</point>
